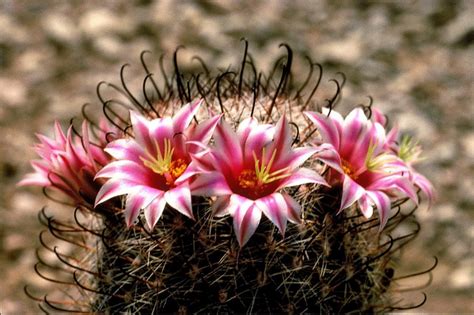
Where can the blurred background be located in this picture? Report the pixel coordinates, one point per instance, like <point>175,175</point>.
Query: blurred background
<point>415,58</point>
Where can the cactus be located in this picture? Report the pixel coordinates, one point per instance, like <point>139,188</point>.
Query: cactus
<point>333,262</point>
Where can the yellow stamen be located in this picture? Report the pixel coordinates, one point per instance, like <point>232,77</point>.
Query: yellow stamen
<point>262,171</point>
<point>162,162</point>
<point>409,151</point>
<point>376,162</point>
<point>347,168</point>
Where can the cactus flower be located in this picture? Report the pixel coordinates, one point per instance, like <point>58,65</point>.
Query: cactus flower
<point>154,168</point>
<point>247,169</point>
<point>69,163</point>
<point>409,152</point>
<point>354,149</point>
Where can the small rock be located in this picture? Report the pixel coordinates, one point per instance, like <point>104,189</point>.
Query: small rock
<point>463,276</point>
<point>98,22</point>
<point>467,143</point>
<point>13,92</point>
<point>61,28</point>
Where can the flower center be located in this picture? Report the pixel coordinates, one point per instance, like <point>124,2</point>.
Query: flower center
<point>248,179</point>
<point>255,182</point>
<point>163,163</point>
<point>348,169</point>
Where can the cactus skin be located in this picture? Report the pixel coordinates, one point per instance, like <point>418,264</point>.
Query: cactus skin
<point>333,263</point>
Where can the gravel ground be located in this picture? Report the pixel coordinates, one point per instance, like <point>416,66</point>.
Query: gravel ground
<point>414,57</point>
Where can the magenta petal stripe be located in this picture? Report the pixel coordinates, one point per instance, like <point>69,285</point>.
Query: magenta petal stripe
<point>351,192</point>
<point>180,199</point>
<point>246,221</point>
<point>154,211</point>
<point>326,128</point>
<point>275,208</point>
<point>113,189</point>
<point>294,209</point>
<point>382,202</point>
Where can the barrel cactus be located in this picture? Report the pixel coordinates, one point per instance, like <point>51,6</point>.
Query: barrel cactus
<point>236,191</point>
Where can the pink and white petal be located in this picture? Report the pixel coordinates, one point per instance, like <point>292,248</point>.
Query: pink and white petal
<point>210,184</point>
<point>203,131</point>
<point>275,208</point>
<point>34,179</point>
<point>302,176</point>
<point>295,157</point>
<point>351,192</point>
<point>180,199</point>
<point>282,139</point>
<point>184,116</point>
<point>244,129</point>
<point>406,187</point>
<point>378,116</point>
<point>237,201</point>
<point>425,187</point>
<point>392,136</point>
<point>154,211</point>
<point>329,155</point>
<point>59,134</point>
<point>336,118</point>
<point>136,201</point>
<point>258,137</point>
<point>365,205</point>
<point>160,129</point>
<point>220,207</point>
<point>125,149</point>
<point>294,209</point>
<point>190,171</point>
<point>382,201</point>
<point>326,127</point>
<point>125,170</point>
<point>227,144</point>
<point>246,221</point>
<point>87,144</point>
<point>113,188</point>
<point>356,136</point>
<point>141,127</point>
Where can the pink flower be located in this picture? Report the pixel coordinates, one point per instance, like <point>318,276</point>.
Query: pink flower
<point>409,152</point>
<point>69,163</point>
<point>247,169</point>
<point>354,148</point>
<point>155,168</point>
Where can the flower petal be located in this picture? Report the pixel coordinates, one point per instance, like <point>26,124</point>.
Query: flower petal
<point>113,188</point>
<point>246,221</point>
<point>220,206</point>
<point>294,209</point>
<point>282,139</point>
<point>210,184</point>
<point>382,202</point>
<point>302,176</point>
<point>351,192</point>
<point>137,200</point>
<point>326,128</point>
<point>154,210</point>
<point>125,149</point>
<point>184,116</point>
<point>203,131</point>
<point>230,151</point>
<point>425,187</point>
<point>275,208</point>
<point>329,155</point>
<point>125,170</point>
<point>141,127</point>
<point>365,205</point>
<point>180,199</point>
<point>355,123</point>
